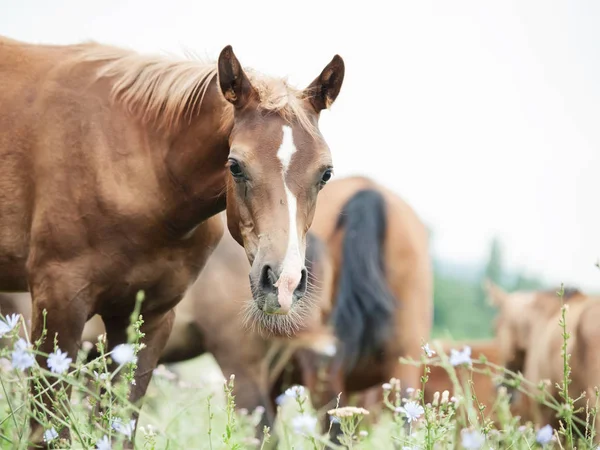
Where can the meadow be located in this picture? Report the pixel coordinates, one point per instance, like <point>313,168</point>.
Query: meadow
<point>191,406</point>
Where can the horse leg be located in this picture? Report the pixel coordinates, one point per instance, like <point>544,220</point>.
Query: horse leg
<point>67,302</point>
<point>156,329</point>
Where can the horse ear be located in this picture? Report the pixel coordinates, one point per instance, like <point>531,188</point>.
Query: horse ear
<point>323,91</point>
<point>234,82</point>
<point>496,295</point>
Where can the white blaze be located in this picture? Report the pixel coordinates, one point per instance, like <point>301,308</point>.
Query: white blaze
<point>291,273</point>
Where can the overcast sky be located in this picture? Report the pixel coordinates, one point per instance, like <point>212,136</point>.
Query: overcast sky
<point>486,118</point>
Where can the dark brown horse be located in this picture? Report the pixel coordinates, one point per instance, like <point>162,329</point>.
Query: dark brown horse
<point>114,163</point>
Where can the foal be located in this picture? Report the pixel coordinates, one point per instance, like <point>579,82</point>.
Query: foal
<point>114,163</point>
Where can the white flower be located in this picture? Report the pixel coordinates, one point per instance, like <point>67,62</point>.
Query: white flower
<point>472,439</point>
<point>8,324</point>
<point>386,386</point>
<point>50,435</point>
<point>22,358</point>
<point>304,424</point>
<point>330,350</point>
<point>412,411</point>
<point>464,357</point>
<point>103,444</point>
<point>363,433</point>
<point>100,376</point>
<point>294,391</point>
<point>123,354</point>
<point>58,362</point>
<point>428,350</point>
<point>126,429</point>
<point>544,435</point>
<point>410,390</point>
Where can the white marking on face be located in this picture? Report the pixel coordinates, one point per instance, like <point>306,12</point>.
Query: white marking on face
<point>291,273</point>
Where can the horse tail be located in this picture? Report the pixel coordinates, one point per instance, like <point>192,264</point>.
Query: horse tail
<point>364,306</point>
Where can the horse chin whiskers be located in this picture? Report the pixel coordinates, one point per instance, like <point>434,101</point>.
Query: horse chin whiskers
<point>256,320</point>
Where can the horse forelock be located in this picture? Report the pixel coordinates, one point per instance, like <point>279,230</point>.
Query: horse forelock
<point>169,91</point>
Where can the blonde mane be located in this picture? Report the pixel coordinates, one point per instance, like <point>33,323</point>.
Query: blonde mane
<point>167,92</point>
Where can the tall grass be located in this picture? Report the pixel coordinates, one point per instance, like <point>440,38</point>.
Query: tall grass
<point>198,410</point>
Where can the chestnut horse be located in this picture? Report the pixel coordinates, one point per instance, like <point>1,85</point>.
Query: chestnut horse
<point>114,163</point>
<point>530,339</point>
<point>223,288</point>
<point>382,305</point>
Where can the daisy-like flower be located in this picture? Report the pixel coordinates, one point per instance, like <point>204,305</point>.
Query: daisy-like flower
<point>123,354</point>
<point>126,429</point>
<point>347,411</point>
<point>544,435</point>
<point>294,391</point>
<point>460,357</point>
<point>50,435</point>
<point>8,324</point>
<point>58,362</point>
<point>22,358</point>
<point>412,411</point>
<point>472,439</point>
<point>428,351</point>
<point>104,443</point>
<point>304,424</point>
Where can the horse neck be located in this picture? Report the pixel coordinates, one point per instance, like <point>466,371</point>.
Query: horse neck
<point>195,167</point>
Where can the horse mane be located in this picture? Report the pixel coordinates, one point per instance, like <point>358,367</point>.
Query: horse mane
<point>168,91</point>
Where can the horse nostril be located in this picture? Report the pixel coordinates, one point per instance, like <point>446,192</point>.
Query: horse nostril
<point>267,279</point>
<point>301,288</point>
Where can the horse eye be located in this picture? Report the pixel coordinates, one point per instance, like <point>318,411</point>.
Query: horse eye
<point>235,169</point>
<point>326,176</point>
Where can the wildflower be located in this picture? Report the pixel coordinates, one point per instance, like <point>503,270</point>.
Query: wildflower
<point>126,429</point>
<point>21,356</point>
<point>50,435</point>
<point>363,433</point>
<point>260,410</point>
<point>58,362</point>
<point>347,411</point>
<point>522,429</point>
<point>304,424</point>
<point>457,358</point>
<point>8,324</point>
<point>428,351</point>
<point>329,350</point>
<point>544,435</point>
<point>472,439</point>
<point>103,444</point>
<point>412,411</point>
<point>123,354</point>
<point>100,376</point>
<point>294,391</point>
<point>386,386</point>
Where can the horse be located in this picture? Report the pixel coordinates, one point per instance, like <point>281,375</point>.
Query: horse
<point>382,294</point>
<point>255,358</point>
<point>114,165</point>
<point>531,339</point>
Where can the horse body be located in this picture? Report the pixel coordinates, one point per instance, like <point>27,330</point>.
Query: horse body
<point>403,272</point>
<point>531,339</point>
<point>114,166</point>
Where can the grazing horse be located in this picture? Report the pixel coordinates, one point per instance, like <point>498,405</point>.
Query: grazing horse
<point>382,306</point>
<point>530,339</point>
<point>114,165</point>
<point>224,289</point>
